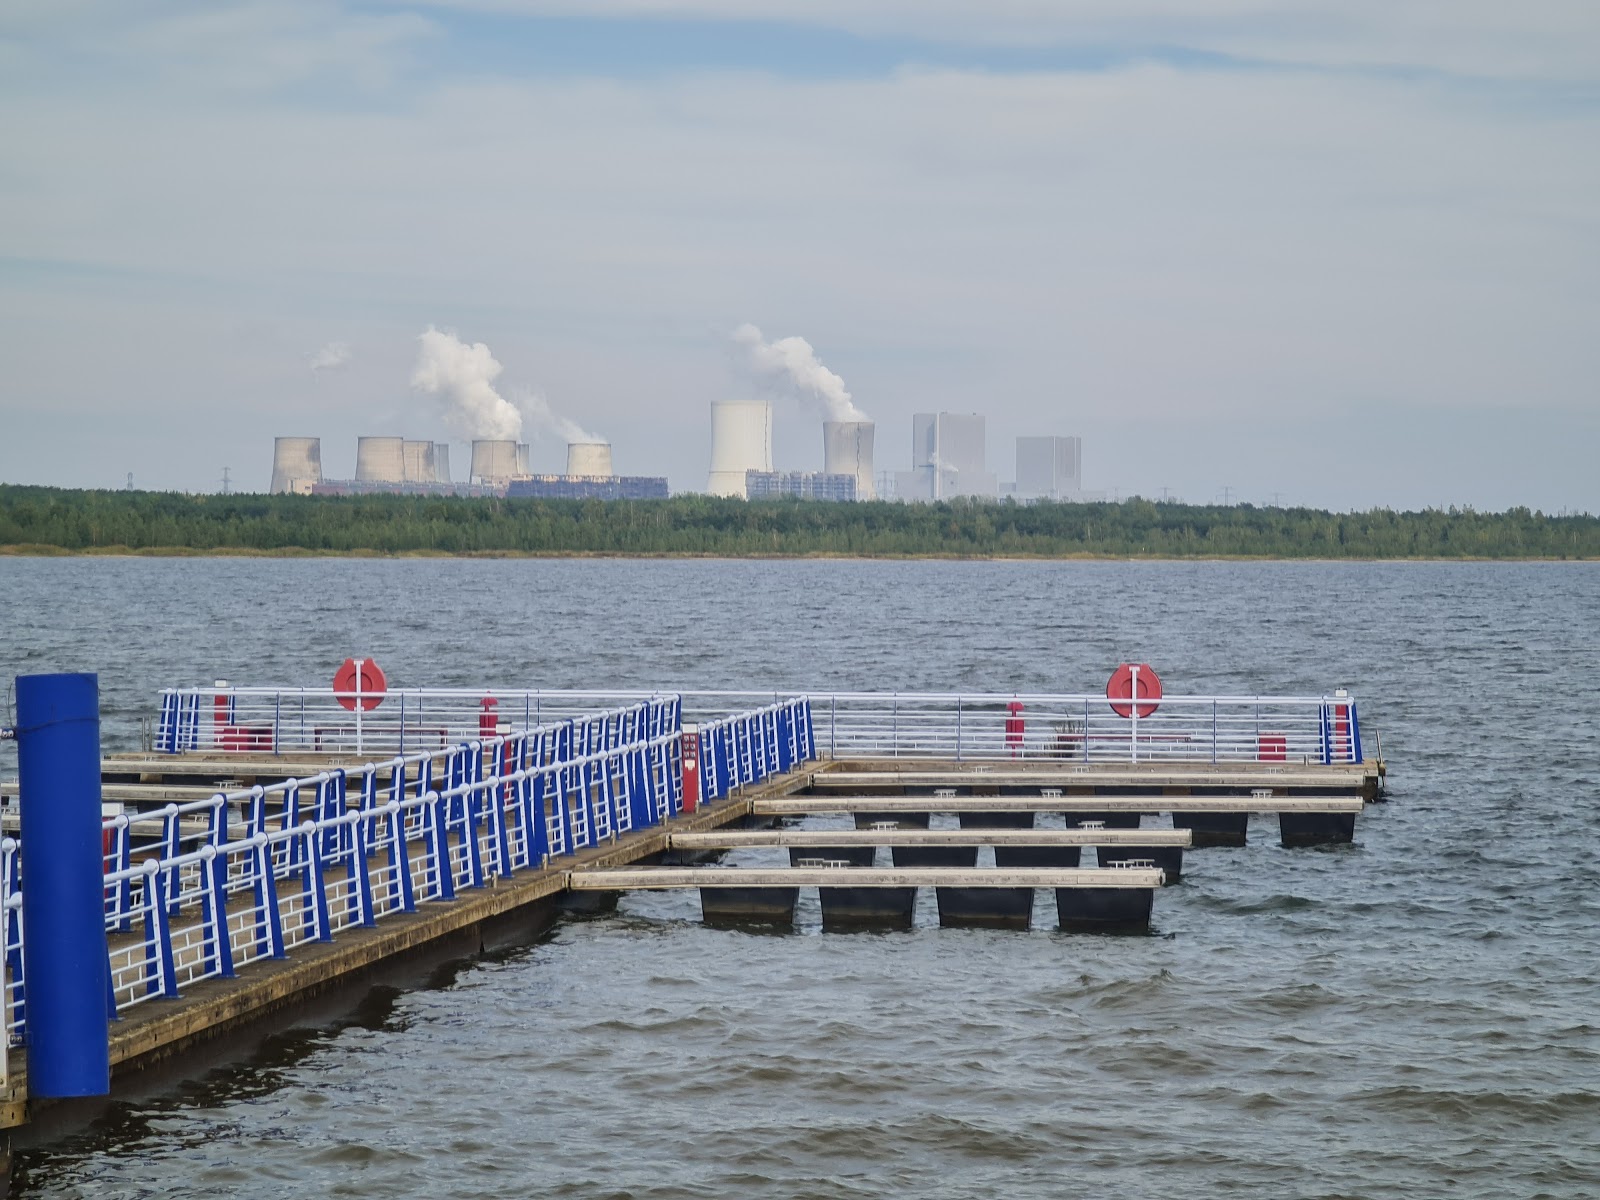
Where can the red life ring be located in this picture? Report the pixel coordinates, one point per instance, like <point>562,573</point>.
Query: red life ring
<point>373,684</point>
<point>1119,689</point>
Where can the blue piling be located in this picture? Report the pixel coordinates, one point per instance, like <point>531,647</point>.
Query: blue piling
<point>63,913</point>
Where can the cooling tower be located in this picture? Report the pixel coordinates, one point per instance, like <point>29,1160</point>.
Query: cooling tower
<point>847,450</point>
<point>493,461</point>
<point>741,440</point>
<point>420,463</point>
<point>296,464</point>
<point>589,460</point>
<point>380,460</point>
<point>522,458</point>
<point>441,462</point>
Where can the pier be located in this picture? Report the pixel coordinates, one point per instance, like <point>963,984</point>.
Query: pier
<point>271,846</point>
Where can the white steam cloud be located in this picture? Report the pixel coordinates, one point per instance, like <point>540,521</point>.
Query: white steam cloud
<point>537,409</point>
<point>463,377</point>
<point>331,357</point>
<point>793,360</point>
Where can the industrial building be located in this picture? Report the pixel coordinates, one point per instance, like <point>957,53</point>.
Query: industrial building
<point>804,485</point>
<point>296,465</point>
<point>589,476</point>
<point>588,487</point>
<point>1049,468</point>
<point>847,450</point>
<point>496,461</point>
<point>741,441</point>
<point>948,459</point>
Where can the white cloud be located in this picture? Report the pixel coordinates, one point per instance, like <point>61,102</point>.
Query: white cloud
<point>1527,40</point>
<point>1234,249</point>
<point>332,357</point>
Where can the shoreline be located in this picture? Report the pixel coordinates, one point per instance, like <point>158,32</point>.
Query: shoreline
<point>26,550</point>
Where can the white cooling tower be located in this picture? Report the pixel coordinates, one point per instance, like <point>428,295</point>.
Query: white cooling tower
<point>741,440</point>
<point>589,459</point>
<point>847,450</point>
<point>380,460</point>
<point>419,462</point>
<point>523,458</point>
<point>493,461</point>
<point>441,462</point>
<point>296,464</point>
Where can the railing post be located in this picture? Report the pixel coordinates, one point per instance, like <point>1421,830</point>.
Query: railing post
<point>444,883</point>
<point>63,874</point>
<point>219,942</point>
<point>269,918</point>
<point>404,897</point>
<point>1133,712</point>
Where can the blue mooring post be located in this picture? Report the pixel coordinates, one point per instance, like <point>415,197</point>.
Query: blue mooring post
<point>63,910</point>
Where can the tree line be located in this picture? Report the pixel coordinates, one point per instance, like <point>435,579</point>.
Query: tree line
<point>39,519</point>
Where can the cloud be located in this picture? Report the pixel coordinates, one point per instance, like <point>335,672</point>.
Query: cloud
<point>1135,244</point>
<point>795,363</point>
<point>332,357</point>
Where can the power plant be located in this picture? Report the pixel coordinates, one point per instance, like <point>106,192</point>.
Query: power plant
<point>741,441</point>
<point>948,450</point>
<point>296,465</point>
<point>1049,468</point>
<point>847,450</point>
<point>496,461</point>
<point>948,459</point>
<point>589,460</point>
<point>380,460</point>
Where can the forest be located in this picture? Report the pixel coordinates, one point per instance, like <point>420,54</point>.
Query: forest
<point>40,520</point>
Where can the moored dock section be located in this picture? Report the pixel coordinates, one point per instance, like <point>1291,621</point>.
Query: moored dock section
<point>269,845</point>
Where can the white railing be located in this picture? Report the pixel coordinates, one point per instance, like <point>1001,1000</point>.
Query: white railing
<point>298,721</point>
<point>953,725</point>
<point>1086,728</point>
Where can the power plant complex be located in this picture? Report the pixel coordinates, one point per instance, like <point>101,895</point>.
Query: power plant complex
<point>396,465</point>
<point>948,454</point>
<point>949,460</point>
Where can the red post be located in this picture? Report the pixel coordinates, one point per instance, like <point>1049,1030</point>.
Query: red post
<point>691,767</point>
<point>488,719</point>
<point>1014,727</point>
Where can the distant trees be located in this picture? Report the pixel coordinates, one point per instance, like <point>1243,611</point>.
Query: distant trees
<point>89,521</point>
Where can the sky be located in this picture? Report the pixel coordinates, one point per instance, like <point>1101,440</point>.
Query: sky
<point>1342,253</point>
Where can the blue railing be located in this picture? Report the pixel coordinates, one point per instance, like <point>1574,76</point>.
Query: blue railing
<point>749,747</point>
<point>200,890</point>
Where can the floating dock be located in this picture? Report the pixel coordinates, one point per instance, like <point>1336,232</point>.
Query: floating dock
<point>252,863</point>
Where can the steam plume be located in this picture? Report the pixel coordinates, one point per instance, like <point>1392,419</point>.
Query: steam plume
<point>330,358</point>
<point>464,377</point>
<point>538,410</point>
<point>792,359</point>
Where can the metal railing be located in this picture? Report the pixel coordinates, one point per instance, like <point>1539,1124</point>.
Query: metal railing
<point>953,725</point>
<point>198,890</point>
<point>750,747</point>
<point>1088,728</point>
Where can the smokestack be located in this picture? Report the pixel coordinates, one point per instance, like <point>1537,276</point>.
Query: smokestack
<point>493,461</point>
<point>589,459</point>
<point>847,450</point>
<point>380,460</point>
<point>741,440</point>
<point>296,464</point>
<point>419,463</point>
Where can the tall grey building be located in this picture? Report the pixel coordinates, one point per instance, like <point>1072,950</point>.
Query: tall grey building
<point>948,453</point>
<point>1049,467</point>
